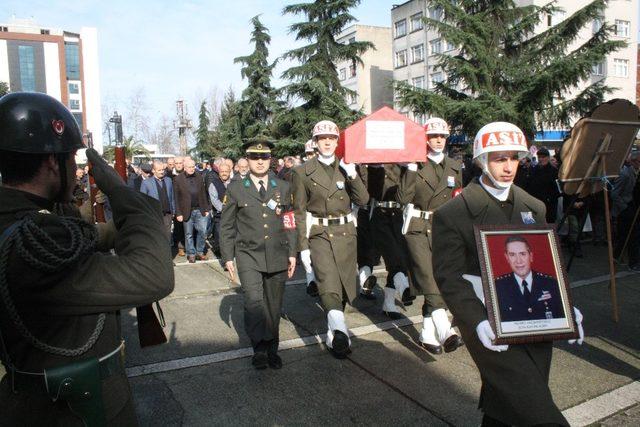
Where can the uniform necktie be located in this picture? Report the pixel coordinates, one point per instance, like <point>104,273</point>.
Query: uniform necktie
<point>527,292</point>
<point>263,191</point>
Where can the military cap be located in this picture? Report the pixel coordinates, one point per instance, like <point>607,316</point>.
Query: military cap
<point>543,152</point>
<point>258,146</point>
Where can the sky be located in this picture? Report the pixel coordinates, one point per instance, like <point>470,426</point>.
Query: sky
<point>174,49</point>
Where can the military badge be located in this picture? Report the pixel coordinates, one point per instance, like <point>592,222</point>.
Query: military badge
<point>451,181</point>
<point>271,204</point>
<point>527,218</point>
<point>340,185</point>
<point>289,220</point>
<point>58,126</point>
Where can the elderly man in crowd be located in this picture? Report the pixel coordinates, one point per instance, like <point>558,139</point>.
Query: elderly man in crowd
<point>160,188</point>
<point>243,169</point>
<point>192,209</point>
<point>217,190</point>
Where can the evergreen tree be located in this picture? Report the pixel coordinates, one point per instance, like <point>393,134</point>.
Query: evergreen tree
<point>4,88</point>
<point>259,99</point>
<point>504,71</point>
<point>204,147</point>
<point>227,135</point>
<point>314,82</point>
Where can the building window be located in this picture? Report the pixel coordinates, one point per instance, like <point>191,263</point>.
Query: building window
<point>415,22</point>
<point>417,53</point>
<point>27,68</point>
<point>352,69</point>
<point>400,28</point>
<point>418,82</point>
<point>78,117</point>
<point>352,40</point>
<point>436,46</point>
<point>419,118</point>
<point>621,67</point>
<point>401,58</point>
<point>74,88</point>
<point>450,46</point>
<point>353,98</point>
<point>4,29</point>
<point>72,59</point>
<point>436,78</point>
<point>343,73</point>
<point>622,28</point>
<point>45,32</point>
<point>597,24</point>
<point>436,13</point>
<point>74,104</point>
<point>396,95</point>
<point>598,69</point>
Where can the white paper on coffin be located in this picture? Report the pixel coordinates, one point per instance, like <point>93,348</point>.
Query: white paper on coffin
<point>383,134</point>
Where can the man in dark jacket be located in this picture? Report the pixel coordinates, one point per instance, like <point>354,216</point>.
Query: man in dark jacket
<point>160,188</point>
<point>59,314</point>
<point>542,184</point>
<point>192,209</point>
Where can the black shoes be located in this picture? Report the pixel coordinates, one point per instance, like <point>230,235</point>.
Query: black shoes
<point>407,298</point>
<point>433,349</point>
<point>312,289</point>
<point>393,315</point>
<point>367,288</point>
<point>260,360</point>
<point>275,362</point>
<point>452,343</point>
<point>340,345</point>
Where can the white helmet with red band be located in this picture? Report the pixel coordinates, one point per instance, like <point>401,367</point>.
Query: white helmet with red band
<point>436,126</point>
<point>310,146</point>
<point>325,127</point>
<point>499,136</point>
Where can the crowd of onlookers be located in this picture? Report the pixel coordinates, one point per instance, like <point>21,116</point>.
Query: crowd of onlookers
<point>192,195</point>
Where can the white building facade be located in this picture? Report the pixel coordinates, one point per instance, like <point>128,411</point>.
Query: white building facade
<point>56,62</point>
<point>371,81</point>
<point>414,45</point>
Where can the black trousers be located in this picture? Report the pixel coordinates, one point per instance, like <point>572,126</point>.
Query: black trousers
<point>626,227</point>
<point>262,304</point>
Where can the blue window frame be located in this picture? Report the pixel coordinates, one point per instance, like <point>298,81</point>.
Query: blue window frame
<point>72,59</point>
<point>26,58</point>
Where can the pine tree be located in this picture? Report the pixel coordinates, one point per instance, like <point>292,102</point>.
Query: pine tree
<point>227,135</point>
<point>204,147</point>
<point>314,83</point>
<point>259,99</point>
<point>504,71</point>
<point>4,88</point>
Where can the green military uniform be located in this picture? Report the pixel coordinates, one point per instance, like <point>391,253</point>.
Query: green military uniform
<point>514,383</point>
<point>386,222</point>
<point>252,232</point>
<point>428,189</point>
<point>325,191</point>
<point>62,308</point>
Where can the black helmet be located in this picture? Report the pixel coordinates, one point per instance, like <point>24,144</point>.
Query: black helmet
<point>36,123</point>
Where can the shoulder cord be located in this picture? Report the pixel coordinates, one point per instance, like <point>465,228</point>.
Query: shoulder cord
<point>39,250</point>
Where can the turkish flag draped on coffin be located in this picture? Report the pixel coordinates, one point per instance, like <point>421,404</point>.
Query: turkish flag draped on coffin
<point>384,136</point>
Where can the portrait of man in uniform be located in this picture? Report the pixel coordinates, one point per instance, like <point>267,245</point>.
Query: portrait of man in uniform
<point>525,294</point>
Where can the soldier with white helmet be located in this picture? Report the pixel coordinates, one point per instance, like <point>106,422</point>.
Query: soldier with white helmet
<point>423,189</point>
<point>323,190</point>
<point>515,387</point>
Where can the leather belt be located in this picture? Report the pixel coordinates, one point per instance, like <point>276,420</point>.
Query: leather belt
<point>326,222</point>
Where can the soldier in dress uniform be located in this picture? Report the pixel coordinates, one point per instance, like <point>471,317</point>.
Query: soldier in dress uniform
<point>60,340</point>
<point>310,151</point>
<point>252,230</point>
<point>423,189</point>
<point>515,378</point>
<point>368,254</point>
<point>525,294</point>
<point>385,226</point>
<point>323,190</point>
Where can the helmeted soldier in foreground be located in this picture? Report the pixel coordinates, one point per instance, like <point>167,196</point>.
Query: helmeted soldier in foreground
<point>515,378</point>
<point>252,231</point>
<point>323,190</point>
<point>60,340</point>
<point>423,189</point>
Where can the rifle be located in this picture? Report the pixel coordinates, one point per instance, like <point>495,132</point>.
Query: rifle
<point>150,330</point>
<point>97,209</point>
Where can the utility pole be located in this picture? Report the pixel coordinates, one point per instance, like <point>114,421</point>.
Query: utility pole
<point>183,123</point>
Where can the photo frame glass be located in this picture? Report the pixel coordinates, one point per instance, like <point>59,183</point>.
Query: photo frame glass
<point>525,285</point>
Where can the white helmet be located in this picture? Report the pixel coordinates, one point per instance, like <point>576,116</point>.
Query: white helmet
<point>310,146</point>
<point>436,126</point>
<point>325,127</point>
<point>499,136</point>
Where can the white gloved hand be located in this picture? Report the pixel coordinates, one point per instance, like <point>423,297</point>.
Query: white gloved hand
<point>305,257</point>
<point>486,336</point>
<point>579,318</point>
<point>349,168</point>
<point>413,167</point>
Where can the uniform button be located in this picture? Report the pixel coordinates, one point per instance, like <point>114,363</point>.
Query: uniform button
<point>264,204</point>
<point>344,234</point>
<point>444,195</point>
<point>529,310</point>
<point>330,235</point>
<point>264,215</point>
<point>314,184</point>
<point>341,198</point>
<point>266,226</point>
<point>266,237</point>
<point>386,176</point>
<point>245,205</point>
<point>328,198</point>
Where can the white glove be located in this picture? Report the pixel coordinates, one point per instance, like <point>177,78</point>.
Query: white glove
<point>579,318</point>
<point>413,167</point>
<point>349,168</point>
<point>476,282</point>
<point>305,257</point>
<point>486,336</point>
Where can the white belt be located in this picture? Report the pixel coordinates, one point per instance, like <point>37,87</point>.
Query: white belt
<point>341,220</point>
<point>421,214</point>
<point>388,205</point>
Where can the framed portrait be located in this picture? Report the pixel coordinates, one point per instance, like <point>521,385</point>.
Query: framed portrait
<point>525,285</point>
